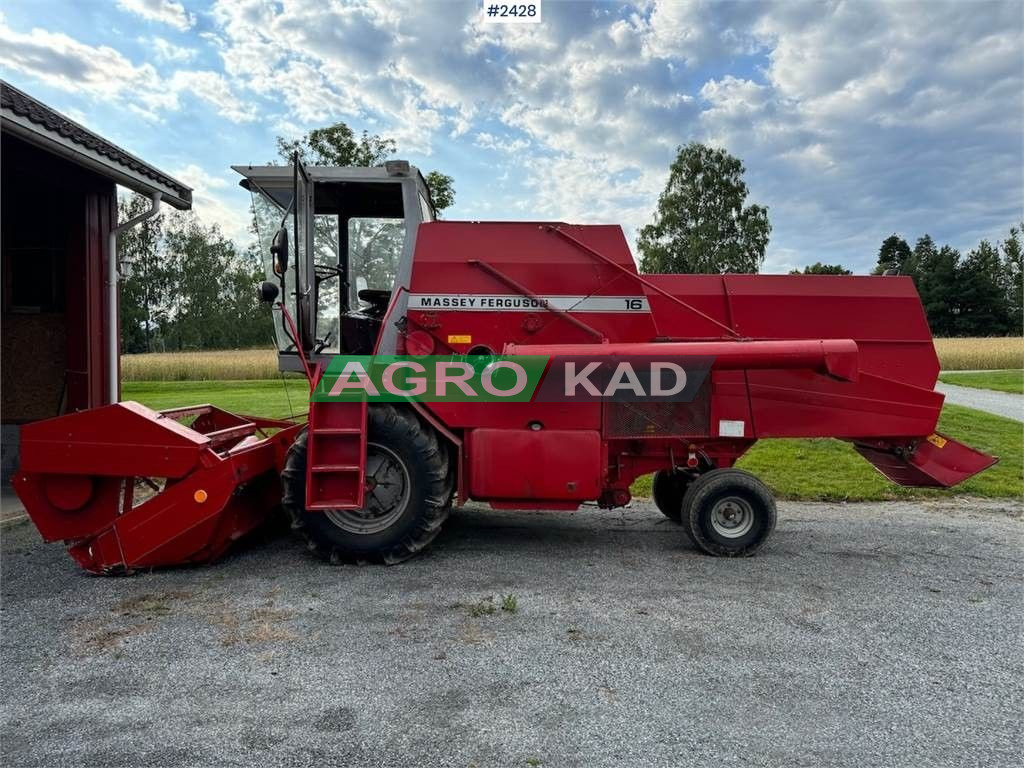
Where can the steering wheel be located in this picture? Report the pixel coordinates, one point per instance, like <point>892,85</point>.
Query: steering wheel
<point>375,296</point>
<point>377,299</point>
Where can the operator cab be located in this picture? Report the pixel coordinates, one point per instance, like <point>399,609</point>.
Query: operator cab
<point>351,233</point>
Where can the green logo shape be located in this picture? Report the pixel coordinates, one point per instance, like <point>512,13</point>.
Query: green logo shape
<point>430,378</point>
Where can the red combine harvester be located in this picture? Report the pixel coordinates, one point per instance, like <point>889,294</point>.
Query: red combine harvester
<point>373,273</point>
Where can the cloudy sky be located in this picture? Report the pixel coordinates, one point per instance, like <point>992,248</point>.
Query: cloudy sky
<point>854,119</point>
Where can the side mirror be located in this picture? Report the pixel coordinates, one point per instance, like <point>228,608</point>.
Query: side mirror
<point>268,292</point>
<point>279,250</point>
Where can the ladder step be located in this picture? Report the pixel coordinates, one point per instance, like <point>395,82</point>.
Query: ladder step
<point>335,454</point>
<point>339,504</point>
<point>335,468</point>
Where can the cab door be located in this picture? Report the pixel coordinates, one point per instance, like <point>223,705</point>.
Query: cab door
<point>304,264</point>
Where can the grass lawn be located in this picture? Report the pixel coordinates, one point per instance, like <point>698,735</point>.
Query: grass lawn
<point>1003,381</point>
<point>836,471</point>
<point>830,470</point>
<point>267,397</point>
<point>795,469</point>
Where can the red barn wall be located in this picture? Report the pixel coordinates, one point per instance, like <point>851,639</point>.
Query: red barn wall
<point>56,218</point>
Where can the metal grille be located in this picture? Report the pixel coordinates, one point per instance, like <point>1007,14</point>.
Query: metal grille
<point>659,418</point>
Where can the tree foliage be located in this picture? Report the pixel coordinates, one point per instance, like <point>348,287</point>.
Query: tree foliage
<point>338,145</point>
<point>187,286</point>
<point>893,255</point>
<point>702,223</point>
<point>146,286</point>
<point>442,190</point>
<point>936,275</point>
<point>817,268</point>
<point>982,301</point>
<point>974,295</point>
<point>1013,279</point>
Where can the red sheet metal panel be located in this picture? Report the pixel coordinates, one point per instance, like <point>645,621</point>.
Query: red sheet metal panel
<point>883,315</point>
<point>531,465</point>
<point>202,486</point>
<point>122,439</point>
<point>464,272</point>
<point>805,404</point>
<point>937,461</point>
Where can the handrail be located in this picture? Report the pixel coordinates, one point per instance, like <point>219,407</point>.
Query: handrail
<point>524,291</point>
<point>298,344</point>
<point>583,246</point>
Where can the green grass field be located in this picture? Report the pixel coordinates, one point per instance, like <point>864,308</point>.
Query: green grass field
<point>265,397</point>
<point>830,470</point>
<point>795,469</point>
<point>1001,381</point>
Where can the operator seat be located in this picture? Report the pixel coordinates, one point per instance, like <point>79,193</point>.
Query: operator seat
<point>360,328</point>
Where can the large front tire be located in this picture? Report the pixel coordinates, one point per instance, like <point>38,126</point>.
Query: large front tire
<point>408,495</point>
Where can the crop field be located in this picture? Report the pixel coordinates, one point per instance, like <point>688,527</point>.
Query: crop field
<point>247,364</point>
<point>213,365</point>
<point>978,354</point>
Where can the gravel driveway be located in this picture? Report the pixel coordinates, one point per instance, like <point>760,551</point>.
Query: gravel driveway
<point>874,634</point>
<point>1000,403</point>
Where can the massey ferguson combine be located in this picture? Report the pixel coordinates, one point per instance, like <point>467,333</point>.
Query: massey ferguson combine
<point>357,265</point>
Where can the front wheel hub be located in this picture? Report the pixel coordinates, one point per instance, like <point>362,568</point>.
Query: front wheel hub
<point>388,488</point>
<point>732,517</point>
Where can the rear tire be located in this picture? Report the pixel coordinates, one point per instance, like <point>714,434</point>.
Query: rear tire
<point>668,489</point>
<point>728,513</point>
<point>403,513</point>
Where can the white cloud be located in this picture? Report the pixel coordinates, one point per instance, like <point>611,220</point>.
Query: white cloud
<point>853,119</point>
<point>164,11</point>
<point>166,51</point>
<point>501,144</point>
<point>460,126</point>
<point>850,118</point>
<point>197,178</point>
<point>214,89</point>
<point>61,61</point>
<point>213,208</point>
<point>696,31</point>
<point>733,97</point>
<point>332,62</point>
<point>102,72</point>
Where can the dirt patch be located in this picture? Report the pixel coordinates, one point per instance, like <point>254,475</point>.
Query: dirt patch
<point>471,633</point>
<point>151,604</point>
<point>97,636</point>
<point>261,625</point>
<point>131,617</point>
